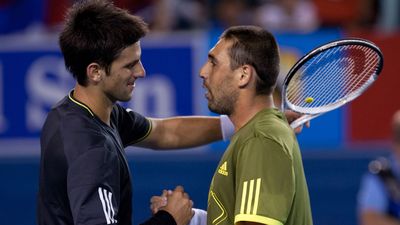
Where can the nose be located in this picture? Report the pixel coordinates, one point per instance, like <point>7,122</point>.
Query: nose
<point>139,72</point>
<point>203,71</point>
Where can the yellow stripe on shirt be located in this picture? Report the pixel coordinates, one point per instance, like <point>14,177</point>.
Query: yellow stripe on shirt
<point>257,196</point>
<point>250,197</point>
<point>256,219</point>
<point>244,194</point>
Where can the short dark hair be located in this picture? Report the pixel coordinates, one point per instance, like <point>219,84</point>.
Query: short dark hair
<point>97,31</point>
<point>257,47</point>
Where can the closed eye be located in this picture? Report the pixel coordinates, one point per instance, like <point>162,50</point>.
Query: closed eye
<point>132,64</point>
<point>212,60</point>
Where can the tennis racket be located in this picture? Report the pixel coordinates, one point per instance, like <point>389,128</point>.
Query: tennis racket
<point>329,77</point>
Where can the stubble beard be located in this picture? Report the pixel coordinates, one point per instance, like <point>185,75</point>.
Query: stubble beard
<point>224,105</point>
<point>120,97</point>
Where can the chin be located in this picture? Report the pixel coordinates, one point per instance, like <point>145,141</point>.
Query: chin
<point>214,109</point>
<point>125,98</point>
<point>220,109</point>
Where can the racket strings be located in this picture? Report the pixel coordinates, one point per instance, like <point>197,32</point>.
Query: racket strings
<point>326,85</point>
<point>332,75</point>
<point>313,90</point>
<point>367,69</point>
<point>306,85</point>
<point>328,88</point>
<point>370,68</point>
<point>347,84</point>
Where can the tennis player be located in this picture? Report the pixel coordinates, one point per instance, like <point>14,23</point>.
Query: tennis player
<point>260,177</point>
<point>84,174</point>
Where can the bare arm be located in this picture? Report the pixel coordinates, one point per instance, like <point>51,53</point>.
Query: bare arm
<point>373,218</point>
<point>190,131</point>
<point>182,132</point>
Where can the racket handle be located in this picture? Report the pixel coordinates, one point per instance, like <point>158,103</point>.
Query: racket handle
<point>303,119</point>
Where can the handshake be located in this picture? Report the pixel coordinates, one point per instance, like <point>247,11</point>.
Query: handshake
<point>178,204</point>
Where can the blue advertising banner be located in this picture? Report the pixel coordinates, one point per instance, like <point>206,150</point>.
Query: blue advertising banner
<point>33,78</point>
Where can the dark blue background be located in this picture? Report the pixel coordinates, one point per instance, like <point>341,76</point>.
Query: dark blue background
<point>333,180</point>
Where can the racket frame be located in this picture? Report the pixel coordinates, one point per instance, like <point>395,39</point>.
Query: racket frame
<point>315,112</point>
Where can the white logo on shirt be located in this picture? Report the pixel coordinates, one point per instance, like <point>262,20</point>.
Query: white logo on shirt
<point>108,209</point>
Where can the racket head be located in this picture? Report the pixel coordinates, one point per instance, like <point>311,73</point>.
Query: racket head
<point>331,76</point>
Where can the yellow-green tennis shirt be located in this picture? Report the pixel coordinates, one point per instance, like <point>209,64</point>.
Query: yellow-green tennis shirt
<point>260,177</point>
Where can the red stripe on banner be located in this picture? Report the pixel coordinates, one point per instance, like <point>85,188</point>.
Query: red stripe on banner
<point>55,11</point>
<point>369,116</point>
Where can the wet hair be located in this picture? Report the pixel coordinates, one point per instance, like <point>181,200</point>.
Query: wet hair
<point>257,47</point>
<point>96,31</point>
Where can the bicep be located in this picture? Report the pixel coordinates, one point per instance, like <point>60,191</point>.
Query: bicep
<point>157,135</point>
<point>132,126</point>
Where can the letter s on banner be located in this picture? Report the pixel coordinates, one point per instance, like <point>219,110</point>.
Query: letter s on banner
<point>47,82</point>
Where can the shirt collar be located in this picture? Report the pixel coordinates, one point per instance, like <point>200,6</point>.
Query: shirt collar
<point>70,96</point>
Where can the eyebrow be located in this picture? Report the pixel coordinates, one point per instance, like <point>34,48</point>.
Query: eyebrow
<point>212,58</point>
<point>132,63</point>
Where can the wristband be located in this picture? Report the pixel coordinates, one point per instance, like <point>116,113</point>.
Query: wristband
<point>227,127</point>
<point>199,217</point>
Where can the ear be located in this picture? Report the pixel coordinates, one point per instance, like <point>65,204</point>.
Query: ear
<point>94,72</point>
<point>247,73</point>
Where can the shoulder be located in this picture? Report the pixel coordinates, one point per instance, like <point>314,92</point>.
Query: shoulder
<point>269,127</point>
<point>66,110</point>
<point>74,124</point>
<point>272,123</point>
<point>267,136</point>
<point>120,113</point>
<point>264,146</point>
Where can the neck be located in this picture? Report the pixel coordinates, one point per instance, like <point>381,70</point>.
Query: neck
<point>247,108</point>
<point>100,105</point>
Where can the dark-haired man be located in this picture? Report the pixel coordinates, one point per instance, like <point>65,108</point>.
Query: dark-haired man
<point>84,174</point>
<point>260,177</point>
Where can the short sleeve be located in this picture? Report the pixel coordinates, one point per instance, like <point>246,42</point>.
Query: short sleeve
<point>265,182</point>
<point>93,187</point>
<point>132,126</point>
<point>372,194</point>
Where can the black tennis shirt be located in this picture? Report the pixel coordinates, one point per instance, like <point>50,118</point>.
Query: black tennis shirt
<point>84,174</point>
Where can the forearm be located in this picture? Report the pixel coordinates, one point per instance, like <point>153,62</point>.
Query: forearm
<point>183,132</point>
